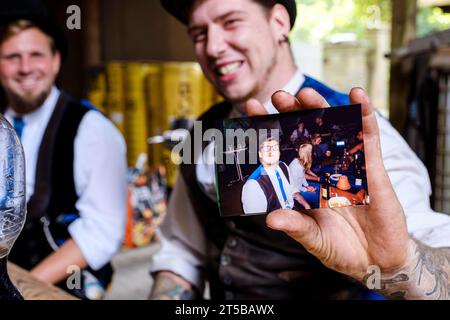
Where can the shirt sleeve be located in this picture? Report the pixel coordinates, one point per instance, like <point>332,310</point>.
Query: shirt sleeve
<point>100,170</point>
<point>183,249</point>
<point>297,186</point>
<point>296,176</point>
<point>253,198</point>
<point>411,183</point>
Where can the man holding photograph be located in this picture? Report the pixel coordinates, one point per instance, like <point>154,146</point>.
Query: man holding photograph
<point>243,49</point>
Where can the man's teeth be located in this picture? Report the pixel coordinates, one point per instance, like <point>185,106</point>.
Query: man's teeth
<point>28,82</point>
<point>229,68</point>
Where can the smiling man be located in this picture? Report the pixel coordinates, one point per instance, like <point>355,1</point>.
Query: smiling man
<point>243,49</point>
<point>75,158</point>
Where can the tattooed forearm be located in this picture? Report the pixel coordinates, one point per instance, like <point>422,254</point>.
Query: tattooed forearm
<point>427,276</point>
<point>170,287</point>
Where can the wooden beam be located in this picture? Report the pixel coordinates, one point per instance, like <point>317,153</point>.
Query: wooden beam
<point>92,33</point>
<point>404,14</point>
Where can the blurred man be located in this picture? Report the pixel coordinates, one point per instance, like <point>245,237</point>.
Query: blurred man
<point>75,160</point>
<point>243,49</point>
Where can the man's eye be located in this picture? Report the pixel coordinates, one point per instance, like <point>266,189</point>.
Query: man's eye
<point>199,37</point>
<point>11,58</point>
<point>37,55</point>
<point>231,22</point>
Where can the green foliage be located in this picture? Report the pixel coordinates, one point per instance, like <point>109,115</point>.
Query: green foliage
<point>431,19</point>
<point>319,19</point>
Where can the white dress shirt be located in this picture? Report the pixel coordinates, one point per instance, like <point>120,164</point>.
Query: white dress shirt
<point>100,172</point>
<point>183,249</point>
<point>254,199</point>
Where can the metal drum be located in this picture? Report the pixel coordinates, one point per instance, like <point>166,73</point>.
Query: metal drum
<point>115,101</point>
<point>155,113</point>
<point>186,95</point>
<point>96,94</point>
<point>136,116</point>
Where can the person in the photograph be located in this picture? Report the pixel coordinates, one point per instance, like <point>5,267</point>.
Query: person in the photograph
<point>320,152</point>
<point>301,172</point>
<point>270,187</point>
<point>356,144</point>
<point>75,159</point>
<point>300,134</point>
<point>244,51</point>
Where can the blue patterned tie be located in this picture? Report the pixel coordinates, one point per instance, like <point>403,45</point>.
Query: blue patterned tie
<point>282,190</point>
<point>18,124</point>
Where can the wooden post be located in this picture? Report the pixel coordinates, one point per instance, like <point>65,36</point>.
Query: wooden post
<point>404,14</point>
<point>92,33</point>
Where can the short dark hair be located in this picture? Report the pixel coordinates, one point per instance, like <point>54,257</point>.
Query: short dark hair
<point>180,9</point>
<point>263,138</point>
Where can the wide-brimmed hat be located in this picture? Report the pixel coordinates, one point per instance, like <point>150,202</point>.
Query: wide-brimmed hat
<point>180,9</point>
<point>36,12</point>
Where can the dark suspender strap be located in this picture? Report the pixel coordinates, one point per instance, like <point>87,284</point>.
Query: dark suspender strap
<point>285,170</point>
<point>38,203</point>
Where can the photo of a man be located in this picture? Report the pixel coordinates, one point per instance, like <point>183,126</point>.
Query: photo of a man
<point>269,187</point>
<point>269,172</point>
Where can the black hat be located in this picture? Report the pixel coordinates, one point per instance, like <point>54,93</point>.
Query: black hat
<point>36,12</point>
<point>180,9</point>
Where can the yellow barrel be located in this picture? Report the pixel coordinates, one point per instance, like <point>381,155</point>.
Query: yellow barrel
<point>183,91</point>
<point>136,115</point>
<point>97,91</point>
<point>115,101</point>
<point>183,99</point>
<point>155,116</point>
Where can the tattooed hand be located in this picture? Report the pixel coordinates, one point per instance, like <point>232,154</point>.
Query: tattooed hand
<point>426,276</point>
<point>352,240</point>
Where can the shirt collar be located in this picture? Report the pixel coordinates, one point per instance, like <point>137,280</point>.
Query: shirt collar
<point>292,87</point>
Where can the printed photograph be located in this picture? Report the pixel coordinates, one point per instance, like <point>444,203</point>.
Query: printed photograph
<point>299,160</point>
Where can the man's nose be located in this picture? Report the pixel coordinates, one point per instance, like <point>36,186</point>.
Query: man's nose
<point>216,42</point>
<point>25,66</point>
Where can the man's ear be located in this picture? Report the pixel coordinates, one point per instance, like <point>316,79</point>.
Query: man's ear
<point>56,62</point>
<point>280,22</point>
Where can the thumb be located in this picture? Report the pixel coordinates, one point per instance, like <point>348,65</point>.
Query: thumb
<point>254,108</point>
<point>302,228</point>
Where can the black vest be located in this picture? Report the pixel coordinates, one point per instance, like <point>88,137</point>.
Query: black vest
<point>54,195</point>
<point>246,259</point>
<point>273,203</point>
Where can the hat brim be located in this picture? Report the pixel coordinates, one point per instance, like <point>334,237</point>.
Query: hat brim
<point>42,23</point>
<point>180,9</point>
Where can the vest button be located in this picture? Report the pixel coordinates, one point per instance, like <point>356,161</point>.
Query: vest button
<point>232,243</point>
<point>225,261</point>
